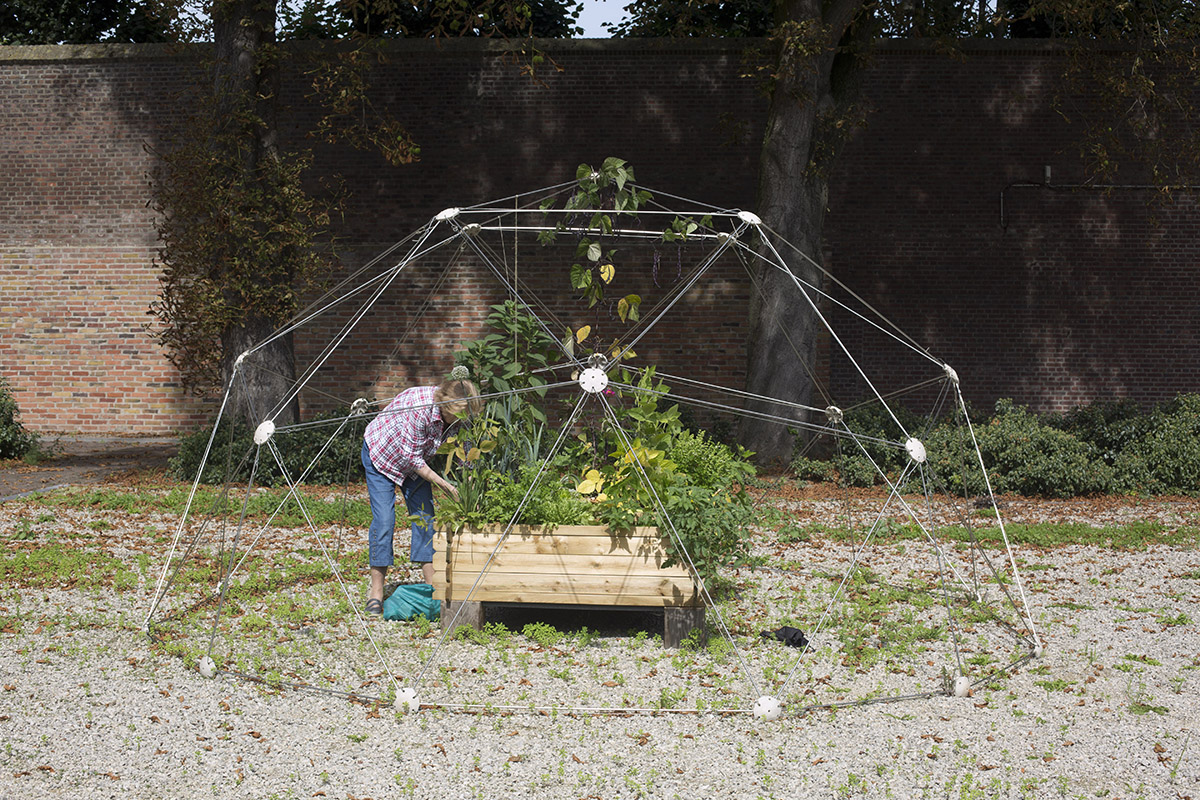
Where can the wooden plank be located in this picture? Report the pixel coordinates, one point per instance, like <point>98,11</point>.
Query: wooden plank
<point>587,584</point>
<point>678,624</point>
<point>565,540</point>
<point>468,613</point>
<point>483,595</point>
<point>505,563</point>
<point>585,565</point>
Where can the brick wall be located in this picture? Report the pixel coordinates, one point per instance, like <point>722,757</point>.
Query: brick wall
<point>1082,295</point>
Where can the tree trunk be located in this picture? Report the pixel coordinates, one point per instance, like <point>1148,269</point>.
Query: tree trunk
<point>265,378</point>
<point>246,84</point>
<point>792,197</point>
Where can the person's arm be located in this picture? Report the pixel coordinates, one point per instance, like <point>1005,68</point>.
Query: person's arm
<point>428,474</point>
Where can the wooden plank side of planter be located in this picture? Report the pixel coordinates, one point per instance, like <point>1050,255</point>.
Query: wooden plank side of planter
<point>616,589</point>
<point>512,595</point>
<point>576,540</point>
<point>572,564</point>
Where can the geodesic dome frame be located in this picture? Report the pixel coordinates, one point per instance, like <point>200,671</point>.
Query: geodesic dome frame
<point>219,599</point>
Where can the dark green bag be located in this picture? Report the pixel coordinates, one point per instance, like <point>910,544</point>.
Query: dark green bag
<point>412,600</point>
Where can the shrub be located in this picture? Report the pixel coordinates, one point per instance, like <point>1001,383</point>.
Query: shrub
<point>1026,456</point>
<point>813,469</point>
<point>1110,426</point>
<point>708,462</point>
<point>851,465</point>
<point>232,455</point>
<point>15,440</point>
<point>1165,458</point>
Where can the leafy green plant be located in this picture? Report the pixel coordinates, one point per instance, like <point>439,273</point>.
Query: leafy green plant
<point>1110,426</point>
<point>542,634</point>
<point>15,440</point>
<point>1165,458</point>
<point>233,453</point>
<point>1103,447</point>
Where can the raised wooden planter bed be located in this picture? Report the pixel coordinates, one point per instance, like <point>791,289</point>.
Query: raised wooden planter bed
<point>571,565</point>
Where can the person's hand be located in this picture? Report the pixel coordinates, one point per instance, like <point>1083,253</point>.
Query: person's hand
<point>450,489</point>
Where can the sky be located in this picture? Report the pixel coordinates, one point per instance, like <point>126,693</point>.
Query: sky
<point>597,12</point>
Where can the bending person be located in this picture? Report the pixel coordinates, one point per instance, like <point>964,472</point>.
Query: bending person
<point>396,446</point>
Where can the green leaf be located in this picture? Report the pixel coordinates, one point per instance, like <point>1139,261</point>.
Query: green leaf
<point>593,251</point>
<point>581,276</point>
<point>583,171</point>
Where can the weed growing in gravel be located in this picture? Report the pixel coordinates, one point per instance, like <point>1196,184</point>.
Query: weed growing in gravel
<point>1173,620</point>
<point>55,565</point>
<point>1137,535</point>
<point>542,634</point>
<point>274,504</point>
<point>1140,701</point>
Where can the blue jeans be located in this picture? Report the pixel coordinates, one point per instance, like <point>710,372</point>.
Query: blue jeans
<point>418,498</point>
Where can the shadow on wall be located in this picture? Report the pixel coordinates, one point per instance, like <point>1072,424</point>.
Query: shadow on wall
<point>1064,306</point>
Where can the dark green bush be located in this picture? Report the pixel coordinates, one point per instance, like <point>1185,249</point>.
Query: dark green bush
<point>851,465</point>
<point>1098,449</point>
<point>1109,425</point>
<point>233,453</point>
<point>1165,457</point>
<point>15,440</point>
<point>1024,455</point>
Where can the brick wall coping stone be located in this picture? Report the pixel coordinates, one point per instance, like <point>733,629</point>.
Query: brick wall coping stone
<point>465,46</point>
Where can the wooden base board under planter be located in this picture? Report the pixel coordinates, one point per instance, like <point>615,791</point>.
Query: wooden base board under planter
<point>570,565</point>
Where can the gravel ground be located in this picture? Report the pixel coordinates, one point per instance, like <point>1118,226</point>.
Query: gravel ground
<point>90,708</point>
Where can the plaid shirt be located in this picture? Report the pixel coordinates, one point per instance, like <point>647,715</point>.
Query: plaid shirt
<point>406,433</point>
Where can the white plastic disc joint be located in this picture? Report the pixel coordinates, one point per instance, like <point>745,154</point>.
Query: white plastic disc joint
<point>207,667</point>
<point>834,415</point>
<point>749,217</point>
<point>950,373</point>
<point>264,432</point>
<point>916,450</point>
<point>407,700</point>
<point>449,213</point>
<point>768,708</point>
<point>593,380</point>
<point>962,686</point>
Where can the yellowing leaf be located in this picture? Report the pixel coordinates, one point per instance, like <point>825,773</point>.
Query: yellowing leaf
<point>583,333</point>
<point>622,309</point>
<point>474,454</point>
<point>586,486</point>
<point>607,271</point>
<point>602,497</point>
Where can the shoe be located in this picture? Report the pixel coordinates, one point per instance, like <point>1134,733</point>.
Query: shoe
<point>375,607</point>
